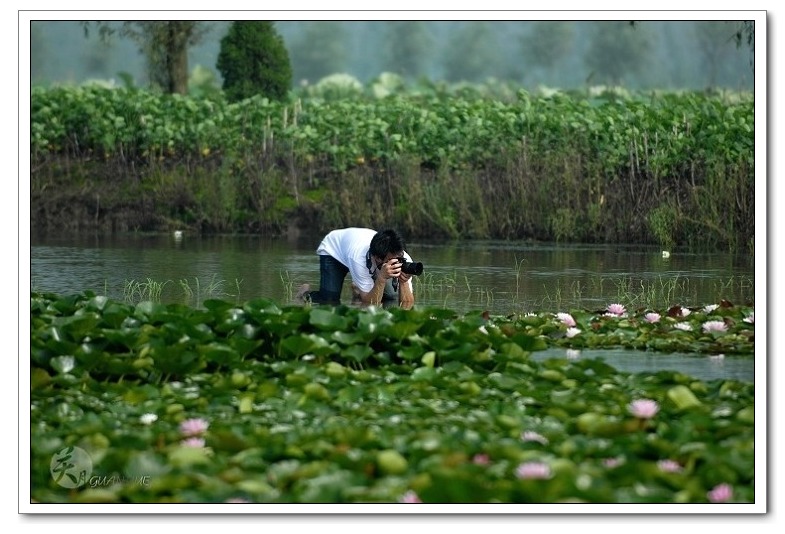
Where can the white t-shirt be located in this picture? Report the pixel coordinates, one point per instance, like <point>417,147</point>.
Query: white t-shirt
<point>350,247</point>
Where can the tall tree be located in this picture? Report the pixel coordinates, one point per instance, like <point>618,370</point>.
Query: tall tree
<point>253,60</point>
<point>715,41</point>
<point>745,31</point>
<point>164,44</point>
<point>545,46</point>
<point>38,52</point>
<point>617,52</point>
<point>472,53</point>
<point>407,48</point>
<point>319,50</point>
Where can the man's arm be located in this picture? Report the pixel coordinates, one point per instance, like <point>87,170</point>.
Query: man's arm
<point>405,294</point>
<point>374,296</point>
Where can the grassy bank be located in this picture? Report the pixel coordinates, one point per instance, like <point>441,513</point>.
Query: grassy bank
<point>670,169</point>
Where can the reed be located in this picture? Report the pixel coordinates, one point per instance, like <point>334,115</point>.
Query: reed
<point>135,291</point>
<point>214,289</point>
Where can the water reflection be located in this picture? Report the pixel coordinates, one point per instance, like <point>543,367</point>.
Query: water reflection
<point>501,277</point>
<point>701,367</point>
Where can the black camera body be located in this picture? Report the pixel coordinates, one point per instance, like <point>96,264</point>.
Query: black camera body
<point>410,267</point>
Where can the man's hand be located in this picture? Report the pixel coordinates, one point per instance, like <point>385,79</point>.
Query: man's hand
<point>390,269</point>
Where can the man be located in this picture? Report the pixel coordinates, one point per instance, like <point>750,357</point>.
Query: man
<point>372,259</point>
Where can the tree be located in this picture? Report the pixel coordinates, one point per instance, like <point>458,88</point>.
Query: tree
<point>164,44</point>
<point>472,53</point>
<point>320,50</point>
<point>745,31</point>
<point>253,60</point>
<point>407,48</point>
<point>546,44</point>
<point>713,39</point>
<point>38,52</point>
<point>617,50</point>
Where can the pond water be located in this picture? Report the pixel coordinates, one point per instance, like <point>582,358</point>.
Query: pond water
<point>502,277</point>
<point>700,366</point>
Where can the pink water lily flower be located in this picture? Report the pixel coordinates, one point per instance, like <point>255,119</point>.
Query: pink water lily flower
<point>669,466</point>
<point>566,318</point>
<point>652,317</point>
<point>193,427</point>
<point>715,326</point>
<point>644,408</point>
<point>196,443</point>
<point>410,497</point>
<point>481,459</point>
<point>720,493</point>
<point>533,470</point>
<point>616,309</point>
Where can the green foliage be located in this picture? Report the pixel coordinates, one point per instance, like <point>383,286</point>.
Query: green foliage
<point>563,224</point>
<point>253,61</point>
<point>164,45</point>
<point>663,221</point>
<point>358,405</point>
<point>592,165</point>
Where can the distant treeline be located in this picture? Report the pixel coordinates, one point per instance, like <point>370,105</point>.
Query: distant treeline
<point>675,54</point>
<point>596,166</point>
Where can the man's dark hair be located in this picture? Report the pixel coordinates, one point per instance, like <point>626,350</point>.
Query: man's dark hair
<point>386,242</point>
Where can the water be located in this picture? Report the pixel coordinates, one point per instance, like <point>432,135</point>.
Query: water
<point>498,276</point>
<point>715,367</point>
<point>501,277</point>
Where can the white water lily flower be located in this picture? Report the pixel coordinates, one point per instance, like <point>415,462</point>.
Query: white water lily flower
<point>148,418</point>
<point>683,326</point>
<point>67,363</point>
<point>530,435</point>
<point>715,326</point>
<point>572,332</point>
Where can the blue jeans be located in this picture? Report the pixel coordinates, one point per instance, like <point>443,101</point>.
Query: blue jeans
<point>332,273</point>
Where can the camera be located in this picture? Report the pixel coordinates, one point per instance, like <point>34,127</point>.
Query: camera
<point>410,267</point>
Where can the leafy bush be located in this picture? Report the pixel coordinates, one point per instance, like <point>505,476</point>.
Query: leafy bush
<point>253,61</point>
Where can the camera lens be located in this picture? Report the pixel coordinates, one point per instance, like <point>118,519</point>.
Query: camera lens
<point>412,267</point>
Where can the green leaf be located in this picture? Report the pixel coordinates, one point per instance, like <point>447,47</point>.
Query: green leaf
<point>683,397</point>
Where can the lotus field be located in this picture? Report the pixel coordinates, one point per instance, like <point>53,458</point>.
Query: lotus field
<point>263,403</point>
<point>606,166</point>
<point>657,130</point>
